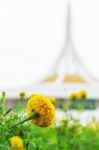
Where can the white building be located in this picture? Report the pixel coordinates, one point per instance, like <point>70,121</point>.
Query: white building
<point>67,75</point>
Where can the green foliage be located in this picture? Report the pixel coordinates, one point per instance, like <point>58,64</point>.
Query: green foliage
<point>69,135</point>
<point>64,137</point>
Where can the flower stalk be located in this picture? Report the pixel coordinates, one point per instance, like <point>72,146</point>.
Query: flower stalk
<point>8,111</point>
<point>3,101</point>
<point>22,97</point>
<point>34,115</point>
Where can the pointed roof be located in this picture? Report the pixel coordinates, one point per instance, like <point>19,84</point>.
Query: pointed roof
<point>68,67</point>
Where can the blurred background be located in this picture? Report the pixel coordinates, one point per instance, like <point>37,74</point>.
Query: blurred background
<point>32,35</point>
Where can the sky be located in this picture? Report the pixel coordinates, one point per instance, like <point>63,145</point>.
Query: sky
<point>32,34</point>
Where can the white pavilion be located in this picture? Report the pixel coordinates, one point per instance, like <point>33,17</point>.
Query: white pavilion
<point>67,75</point>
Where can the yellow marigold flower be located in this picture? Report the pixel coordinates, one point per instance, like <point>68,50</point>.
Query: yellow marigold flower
<point>16,142</point>
<point>44,108</point>
<point>22,94</point>
<point>91,127</point>
<point>82,94</point>
<point>32,95</point>
<point>73,96</point>
<point>52,99</point>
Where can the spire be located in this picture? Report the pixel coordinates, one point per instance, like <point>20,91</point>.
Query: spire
<point>68,23</point>
<point>68,39</point>
<point>68,62</point>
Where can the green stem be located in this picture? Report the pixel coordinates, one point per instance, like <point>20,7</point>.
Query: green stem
<point>3,103</point>
<point>8,111</point>
<point>34,115</point>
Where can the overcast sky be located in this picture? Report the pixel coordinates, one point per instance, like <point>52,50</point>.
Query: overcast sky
<point>32,34</point>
